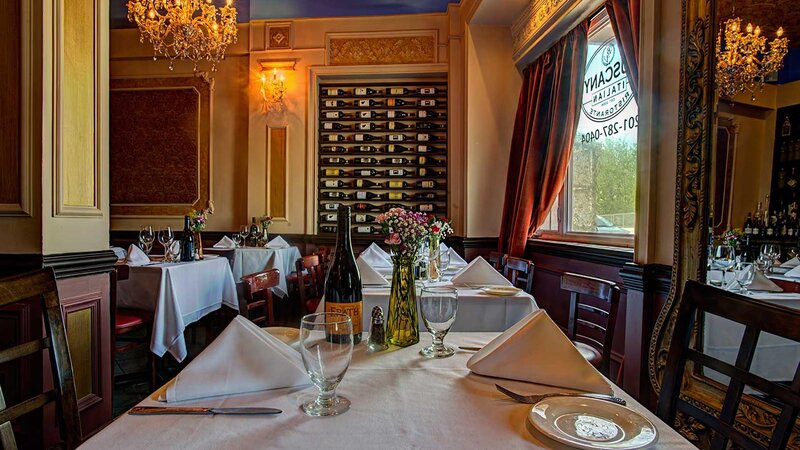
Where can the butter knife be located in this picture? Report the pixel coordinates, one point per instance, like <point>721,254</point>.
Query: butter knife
<point>160,410</point>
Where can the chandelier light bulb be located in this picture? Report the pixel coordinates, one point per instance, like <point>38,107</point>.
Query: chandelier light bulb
<point>749,28</point>
<point>151,14</point>
<point>780,32</point>
<point>758,31</point>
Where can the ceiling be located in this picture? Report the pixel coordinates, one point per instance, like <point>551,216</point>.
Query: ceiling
<point>768,14</point>
<point>287,9</point>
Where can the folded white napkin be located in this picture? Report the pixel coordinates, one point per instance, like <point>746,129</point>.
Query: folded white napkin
<point>136,257</point>
<point>760,283</point>
<point>443,248</point>
<point>537,351</point>
<point>120,252</point>
<point>794,262</point>
<point>479,272</point>
<point>376,257</point>
<point>369,276</point>
<point>244,358</point>
<point>456,260</point>
<point>277,242</point>
<point>794,273</point>
<point>225,242</point>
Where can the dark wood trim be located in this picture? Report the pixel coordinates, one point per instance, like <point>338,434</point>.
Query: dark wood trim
<point>608,256</point>
<point>69,265</point>
<point>14,264</point>
<point>654,278</point>
<point>482,242</point>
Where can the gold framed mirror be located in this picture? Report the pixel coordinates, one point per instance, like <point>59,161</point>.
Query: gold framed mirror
<point>702,127</point>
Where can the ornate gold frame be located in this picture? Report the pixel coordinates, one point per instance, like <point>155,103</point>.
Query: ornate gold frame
<point>695,136</point>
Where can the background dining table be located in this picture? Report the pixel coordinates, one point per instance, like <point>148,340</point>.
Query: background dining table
<point>179,294</point>
<point>248,260</point>
<point>399,400</point>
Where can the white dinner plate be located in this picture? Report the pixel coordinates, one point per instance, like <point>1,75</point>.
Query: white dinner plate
<point>781,270</point>
<point>592,424</point>
<point>287,335</point>
<point>502,291</point>
<point>210,256</point>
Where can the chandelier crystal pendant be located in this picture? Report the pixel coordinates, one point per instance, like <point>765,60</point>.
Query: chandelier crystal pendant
<point>194,30</point>
<point>744,60</point>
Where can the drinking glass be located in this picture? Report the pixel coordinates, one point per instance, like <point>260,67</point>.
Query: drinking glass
<point>326,345</point>
<point>438,306</point>
<point>770,252</point>
<point>165,238</point>
<point>745,276</point>
<point>244,231</point>
<point>237,239</point>
<point>441,260</point>
<point>146,238</point>
<point>724,259</point>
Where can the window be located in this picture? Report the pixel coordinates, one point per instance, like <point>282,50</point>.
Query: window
<point>597,203</point>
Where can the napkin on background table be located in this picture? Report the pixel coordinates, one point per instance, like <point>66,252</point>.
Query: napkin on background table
<point>136,257</point>
<point>376,257</point>
<point>244,358</point>
<point>537,351</point>
<point>794,273</point>
<point>369,276</point>
<point>760,283</point>
<point>456,260</point>
<point>277,242</point>
<point>443,248</point>
<point>794,262</point>
<point>479,272</point>
<point>225,242</point>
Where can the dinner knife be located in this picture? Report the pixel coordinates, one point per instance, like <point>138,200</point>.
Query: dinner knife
<point>161,410</point>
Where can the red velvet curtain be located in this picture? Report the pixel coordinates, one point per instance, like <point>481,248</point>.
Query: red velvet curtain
<point>544,130</point>
<point>624,15</point>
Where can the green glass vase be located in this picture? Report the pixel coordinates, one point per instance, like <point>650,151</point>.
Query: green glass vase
<point>434,274</point>
<point>402,326</point>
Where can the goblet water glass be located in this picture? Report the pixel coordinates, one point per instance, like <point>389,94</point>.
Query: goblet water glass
<point>237,239</point>
<point>745,276</point>
<point>438,306</point>
<point>326,345</point>
<point>244,231</point>
<point>146,238</point>
<point>771,252</point>
<point>166,237</point>
<point>725,260</point>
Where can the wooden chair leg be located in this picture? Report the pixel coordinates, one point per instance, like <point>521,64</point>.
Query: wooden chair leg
<point>618,381</point>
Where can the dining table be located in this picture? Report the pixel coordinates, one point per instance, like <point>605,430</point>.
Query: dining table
<point>178,294</point>
<point>400,400</point>
<point>249,260</point>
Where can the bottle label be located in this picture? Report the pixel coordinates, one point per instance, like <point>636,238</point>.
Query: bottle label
<point>363,126</point>
<point>365,230</point>
<point>397,160</point>
<point>351,309</point>
<point>756,230</point>
<point>427,91</point>
<point>748,231</point>
<point>335,160</point>
<point>426,208</point>
<point>365,148</point>
<point>330,217</point>
<point>364,161</point>
<point>398,91</point>
<point>395,185</point>
<point>331,103</point>
<point>395,195</point>
<point>363,103</point>
<point>361,91</point>
<point>361,195</point>
<point>332,115</point>
<point>423,137</point>
<point>331,206</point>
<point>390,114</point>
<point>333,92</point>
<point>770,232</point>
<point>427,103</point>
<point>365,114</point>
<point>331,183</point>
<point>331,172</point>
<point>358,137</point>
<point>366,173</point>
<point>361,218</point>
<point>333,137</point>
<point>396,137</point>
<point>392,125</point>
<point>426,184</point>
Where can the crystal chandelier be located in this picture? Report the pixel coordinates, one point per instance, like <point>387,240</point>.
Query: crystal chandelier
<point>185,29</point>
<point>743,60</point>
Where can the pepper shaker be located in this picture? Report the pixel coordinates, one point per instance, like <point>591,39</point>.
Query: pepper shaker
<point>377,332</point>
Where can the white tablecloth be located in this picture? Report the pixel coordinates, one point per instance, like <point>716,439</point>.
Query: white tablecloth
<point>476,311</point>
<point>178,294</point>
<point>399,401</point>
<point>258,259</point>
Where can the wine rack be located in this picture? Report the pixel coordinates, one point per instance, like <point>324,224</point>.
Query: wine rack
<point>381,145</point>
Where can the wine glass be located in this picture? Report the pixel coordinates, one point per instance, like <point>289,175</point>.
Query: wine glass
<point>724,259</point>
<point>166,237</point>
<point>438,306</point>
<point>244,230</point>
<point>438,264</point>
<point>237,239</point>
<point>770,252</point>
<point>146,238</point>
<point>326,345</point>
<point>745,276</point>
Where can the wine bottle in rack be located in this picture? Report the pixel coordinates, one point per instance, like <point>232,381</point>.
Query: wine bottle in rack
<point>364,138</point>
<point>367,91</point>
<point>334,184</point>
<point>366,195</point>
<point>423,148</point>
<point>368,102</point>
<point>366,149</point>
<point>367,126</point>
<point>389,206</point>
<point>427,103</point>
<point>367,229</point>
<point>367,161</point>
<point>335,195</point>
<point>427,126</point>
<point>395,102</point>
<point>334,172</point>
<point>396,114</point>
<point>328,218</point>
<point>328,228</point>
<point>335,103</point>
<point>425,196</point>
<point>397,184</point>
<point>360,183</point>
<point>330,206</point>
<point>333,138</point>
<point>426,172</point>
<point>396,126</point>
<point>367,172</point>
<point>368,114</point>
<point>427,207</point>
<point>334,115</point>
<point>334,92</point>
<point>399,172</point>
<point>366,207</point>
<point>394,148</point>
<point>398,196</point>
<point>426,184</point>
<point>339,161</point>
<point>397,137</point>
<point>399,91</point>
<point>334,149</point>
<point>425,114</point>
<point>397,161</point>
<point>364,218</point>
<point>334,126</point>
<point>427,160</point>
<point>426,91</point>
<point>426,137</point>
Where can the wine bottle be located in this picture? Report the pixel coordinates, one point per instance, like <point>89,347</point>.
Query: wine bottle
<point>427,149</point>
<point>394,148</point>
<point>398,196</point>
<point>426,91</point>
<point>334,149</point>
<point>366,149</point>
<point>426,184</point>
<point>333,184</point>
<point>399,172</point>
<point>330,206</point>
<point>367,184</point>
<point>424,172</point>
<point>427,160</point>
<point>335,103</point>
<point>427,126</point>
<point>397,137</point>
<point>334,126</point>
<point>398,91</point>
<point>396,184</point>
<point>329,217</point>
<point>389,206</point>
<point>425,196</point>
<point>366,207</point>
<point>426,114</point>
<point>328,228</point>
<point>334,161</point>
<point>396,126</point>
<point>367,102</point>
<point>367,172</point>
<point>396,114</point>
<point>425,137</point>
<point>187,241</point>
<point>363,195</point>
<point>335,195</point>
<point>254,231</point>
<point>366,230</point>
<point>334,173</point>
<point>757,221</point>
<point>364,138</point>
<point>333,137</point>
<point>367,126</point>
<point>427,207</point>
<point>393,102</point>
<point>334,92</point>
<point>428,102</point>
<point>367,91</point>
<point>397,161</point>
<point>368,161</point>
<point>364,218</point>
<point>334,115</point>
<point>368,114</point>
<point>770,227</point>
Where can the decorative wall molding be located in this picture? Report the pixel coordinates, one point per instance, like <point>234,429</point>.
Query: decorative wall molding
<point>279,36</point>
<point>532,19</point>
<point>77,177</point>
<point>277,181</point>
<point>138,144</point>
<point>353,49</point>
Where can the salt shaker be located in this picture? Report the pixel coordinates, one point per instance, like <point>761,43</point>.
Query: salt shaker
<point>377,333</point>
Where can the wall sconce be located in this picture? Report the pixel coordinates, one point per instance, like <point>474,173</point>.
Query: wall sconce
<point>273,85</point>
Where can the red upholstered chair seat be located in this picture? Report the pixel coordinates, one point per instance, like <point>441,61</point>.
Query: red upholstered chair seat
<point>126,319</point>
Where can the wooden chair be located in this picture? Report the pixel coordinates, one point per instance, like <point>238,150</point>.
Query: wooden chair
<point>42,284</point>
<point>498,261</point>
<point>258,296</point>
<point>311,284</point>
<point>757,317</point>
<point>324,254</point>
<point>520,273</point>
<point>128,322</point>
<point>591,335</point>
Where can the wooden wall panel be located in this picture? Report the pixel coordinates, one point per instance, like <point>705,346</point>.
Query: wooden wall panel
<point>10,103</point>
<point>159,145</point>
<point>276,170</point>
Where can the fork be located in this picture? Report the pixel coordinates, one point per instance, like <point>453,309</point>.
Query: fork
<point>537,398</point>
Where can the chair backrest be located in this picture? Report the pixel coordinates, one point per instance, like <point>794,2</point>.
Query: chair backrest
<point>585,319</point>
<point>42,284</point>
<point>498,260</point>
<point>310,278</point>
<point>324,254</point>
<point>258,296</point>
<point>519,272</point>
<point>757,317</point>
